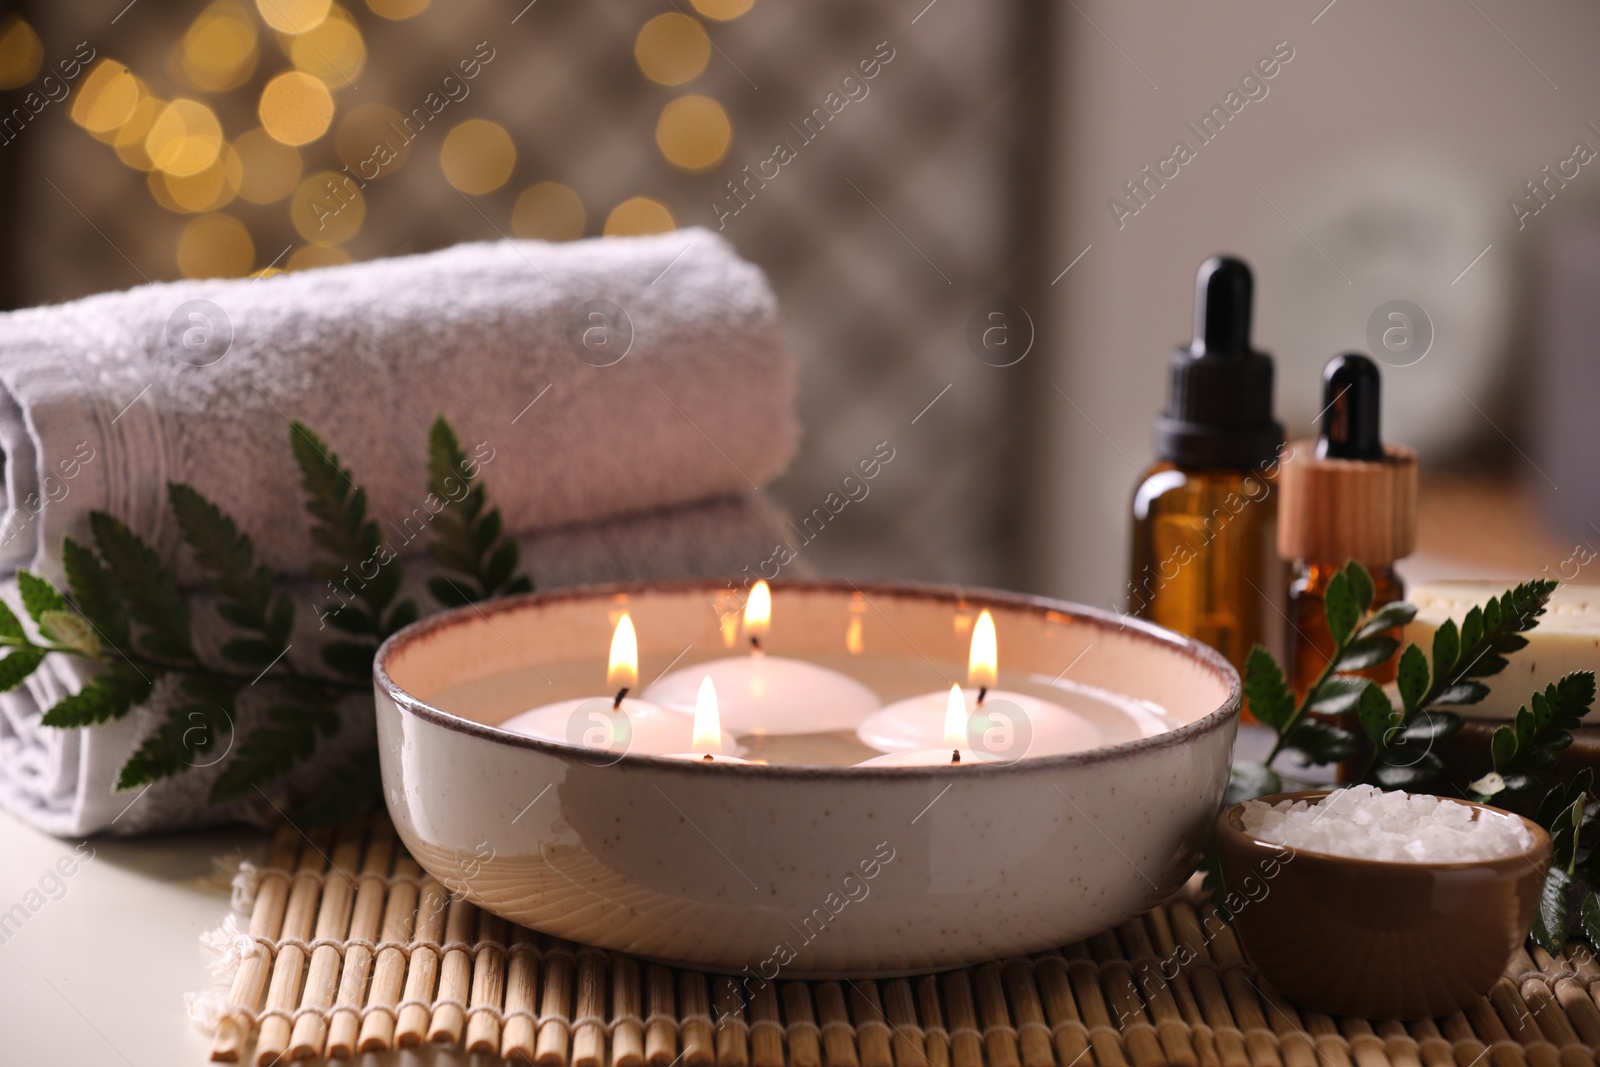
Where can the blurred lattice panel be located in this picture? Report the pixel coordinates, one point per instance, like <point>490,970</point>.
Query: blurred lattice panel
<point>865,155</point>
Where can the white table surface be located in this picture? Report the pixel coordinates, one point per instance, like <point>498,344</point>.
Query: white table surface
<point>97,974</point>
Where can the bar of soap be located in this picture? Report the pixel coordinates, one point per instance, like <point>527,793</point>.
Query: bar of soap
<point>1566,639</point>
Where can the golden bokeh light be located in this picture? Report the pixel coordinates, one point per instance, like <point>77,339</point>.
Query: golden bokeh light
<point>477,156</point>
<point>106,99</point>
<point>293,16</point>
<point>309,257</point>
<point>129,138</point>
<point>328,208</point>
<point>371,141</point>
<point>209,190</point>
<point>333,52</point>
<point>693,132</point>
<point>398,9</point>
<point>672,49</point>
<point>722,10</point>
<point>639,215</point>
<point>184,139</point>
<point>548,211</point>
<point>296,107</point>
<point>215,246</point>
<point>271,169</point>
<point>20,53</point>
<point>219,52</point>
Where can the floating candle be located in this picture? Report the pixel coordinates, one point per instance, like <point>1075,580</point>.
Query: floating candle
<point>1005,724</point>
<point>611,727</point>
<point>955,752</point>
<point>763,694</point>
<point>707,729</point>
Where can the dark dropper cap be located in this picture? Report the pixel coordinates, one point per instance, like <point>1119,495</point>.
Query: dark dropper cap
<point>1350,409</point>
<point>1219,403</point>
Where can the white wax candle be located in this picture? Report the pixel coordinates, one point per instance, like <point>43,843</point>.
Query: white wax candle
<point>954,752</point>
<point>1008,726</point>
<point>637,727</point>
<point>762,694</point>
<point>708,737</point>
<point>611,727</point>
<point>1005,725</point>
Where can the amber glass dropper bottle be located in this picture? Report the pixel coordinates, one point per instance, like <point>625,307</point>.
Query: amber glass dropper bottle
<point>1345,496</point>
<point>1204,558</point>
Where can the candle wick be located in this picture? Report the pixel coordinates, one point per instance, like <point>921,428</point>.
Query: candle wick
<point>617,703</point>
<point>755,642</point>
<point>983,691</point>
<point>708,758</point>
<point>955,755</point>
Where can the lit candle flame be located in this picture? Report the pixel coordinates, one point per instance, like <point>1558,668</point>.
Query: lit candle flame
<point>623,670</point>
<point>852,637</point>
<point>707,720</point>
<point>955,719</point>
<point>758,609</point>
<point>983,662</point>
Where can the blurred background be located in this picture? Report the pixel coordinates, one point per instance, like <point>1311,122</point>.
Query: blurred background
<point>961,205</point>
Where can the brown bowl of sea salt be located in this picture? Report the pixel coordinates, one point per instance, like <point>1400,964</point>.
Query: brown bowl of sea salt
<point>1380,905</point>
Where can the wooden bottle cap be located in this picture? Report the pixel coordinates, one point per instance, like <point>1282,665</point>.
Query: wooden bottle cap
<point>1332,510</point>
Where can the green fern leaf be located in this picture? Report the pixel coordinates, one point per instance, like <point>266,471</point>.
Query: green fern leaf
<point>148,589</point>
<point>38,595</point>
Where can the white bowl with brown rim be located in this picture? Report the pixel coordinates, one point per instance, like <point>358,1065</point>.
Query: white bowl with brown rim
<point>804,868</point>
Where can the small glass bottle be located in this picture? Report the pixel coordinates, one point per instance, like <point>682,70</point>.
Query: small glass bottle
<point>1345,496</point>
<point>1204,560</point>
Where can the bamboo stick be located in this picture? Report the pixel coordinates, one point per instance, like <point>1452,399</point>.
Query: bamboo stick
<point>488,985</point>
<point>1071,1037</point>
<point>936,1035</point>
<point>766,1028</point>
<point>694,1021</point>
<point>555,1011</point>
<point>423,974</point>
<point>872,1025</point>
<point>1159,925</point>
<point>1084,977</point>
<point>805,1047</point>
<point>1146,973</point>
<point>838,1037</point>
<point>1561,995</point>
<point>906,1040</point>
<point>288,964</point>
<point>966,1046</point>
<point>522,981</point>
<point>389,971</point>
<point>266,921</point>
<point>1400,1049</point>
<point>366,923</point>
<point>660,1035</point>
<point>627,1013</point>
<point>1469,1048</point>
<point>733,1040</point>
<point>333,924</point>
<point>589,1036</point>
<point>1432,1047</point>
<point>994,1016</point>
<point>1033,1033</point>
<point>1208,988</point>
<point>449,1021</point>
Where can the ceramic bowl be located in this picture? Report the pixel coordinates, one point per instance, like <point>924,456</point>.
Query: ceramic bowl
<point>1378,939</point>
<point>803,870</point>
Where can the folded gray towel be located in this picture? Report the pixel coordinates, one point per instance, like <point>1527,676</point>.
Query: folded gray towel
<point>61,780</point>
<point>603,377</point>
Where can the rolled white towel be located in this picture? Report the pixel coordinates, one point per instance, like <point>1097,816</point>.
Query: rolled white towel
<point>61,780</point>
<point>604,377</point>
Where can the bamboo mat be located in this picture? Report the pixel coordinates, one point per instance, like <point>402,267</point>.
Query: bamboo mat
<point>343,945</point>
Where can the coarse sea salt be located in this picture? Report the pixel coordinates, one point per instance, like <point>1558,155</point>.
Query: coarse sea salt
<point>1364,822</point>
